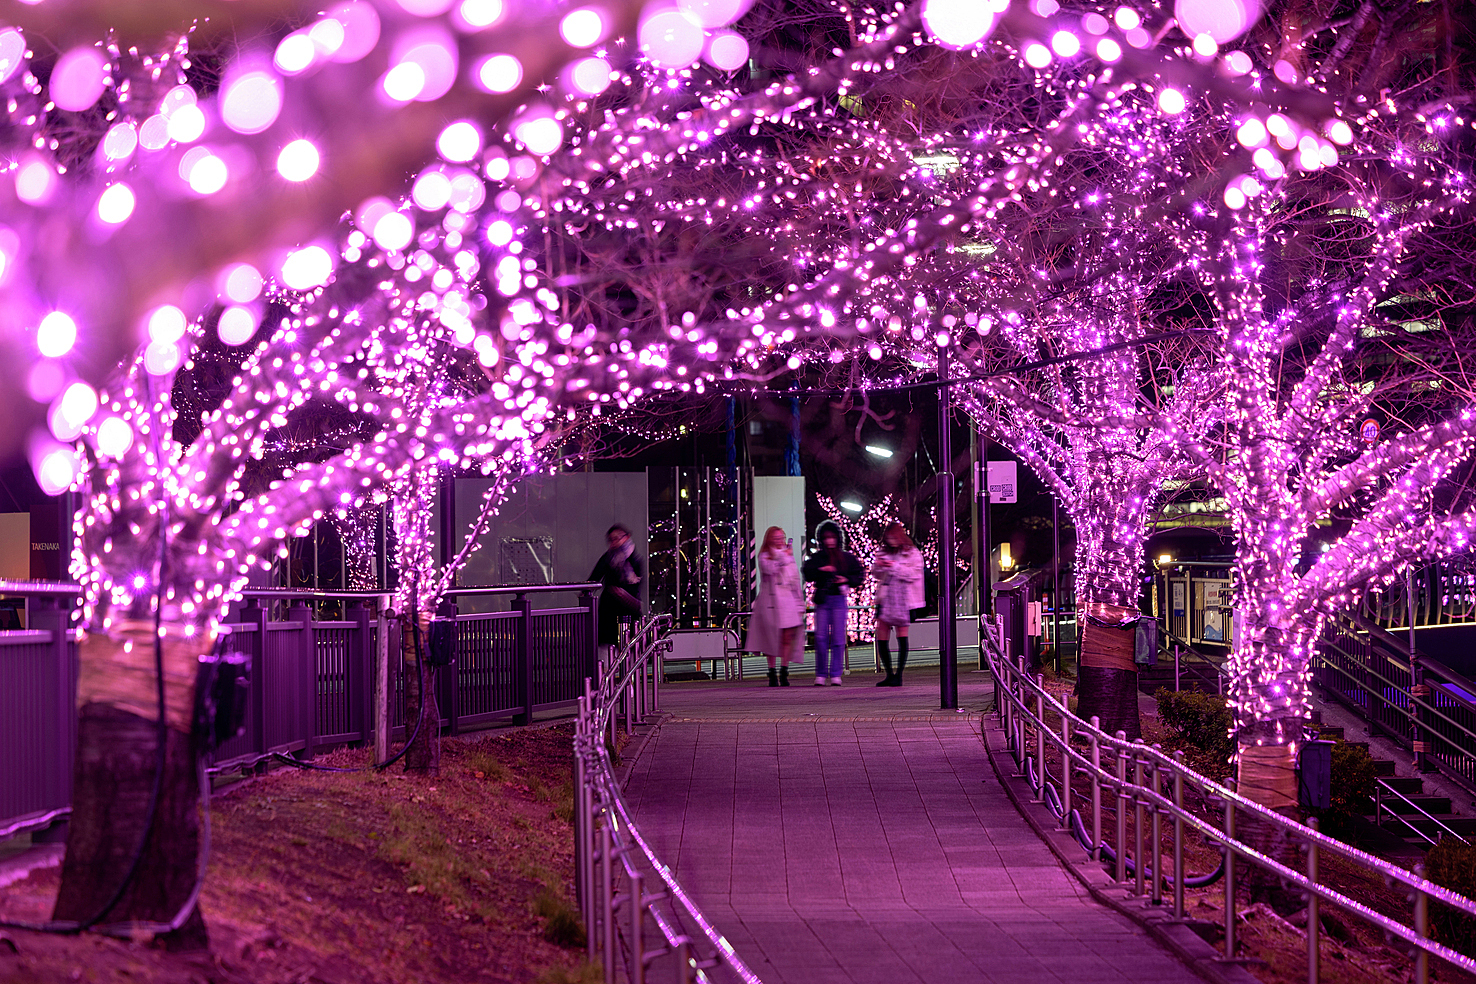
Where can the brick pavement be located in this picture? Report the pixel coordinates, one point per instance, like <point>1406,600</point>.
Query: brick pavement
<point>850,834</point>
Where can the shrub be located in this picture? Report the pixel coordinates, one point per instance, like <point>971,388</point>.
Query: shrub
<point>1353,777</point>
<point>561,925</point>
<point>1201,721</point>
<point>1452,864</point>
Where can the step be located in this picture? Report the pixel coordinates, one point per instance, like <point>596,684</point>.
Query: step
<point>1384,767</point>
<point>1408,785</point>
<point>1405,826</point>
<point>1330,733</point>
<point>1433,805</point>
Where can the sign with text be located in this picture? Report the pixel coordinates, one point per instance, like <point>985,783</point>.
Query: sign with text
<point>1002,486</point>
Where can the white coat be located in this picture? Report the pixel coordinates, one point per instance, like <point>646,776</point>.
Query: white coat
<point>779,605</point>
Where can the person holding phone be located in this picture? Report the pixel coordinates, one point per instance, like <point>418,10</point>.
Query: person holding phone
<point>779,610</point>
<point>836,574</point>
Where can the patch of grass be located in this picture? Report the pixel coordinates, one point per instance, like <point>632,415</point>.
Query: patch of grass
<point>564,804</point>
<point>487,764</point>
<point>418,843</point>
<point>561,924</point>
<point>583,973</point>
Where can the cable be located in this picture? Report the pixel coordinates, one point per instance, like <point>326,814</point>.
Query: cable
<point>419,717</point>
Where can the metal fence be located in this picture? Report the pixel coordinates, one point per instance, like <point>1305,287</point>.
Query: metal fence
<point>641,924</point>
<point>1140,782</point>
<point>1432,713</point>
<point>312,682</point>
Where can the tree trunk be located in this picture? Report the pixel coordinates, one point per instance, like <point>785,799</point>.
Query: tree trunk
<point>1107,679</point>
<point>1268,690</point>
<point>117,763</point>
<point>425,751</point>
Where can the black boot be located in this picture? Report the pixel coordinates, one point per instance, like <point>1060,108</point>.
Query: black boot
<point>773,677</point>
<point>885,652</point>
<point>783,676</point>
<point>896,681</point>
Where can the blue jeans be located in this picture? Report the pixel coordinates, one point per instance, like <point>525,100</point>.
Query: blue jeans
<point>830,636</point>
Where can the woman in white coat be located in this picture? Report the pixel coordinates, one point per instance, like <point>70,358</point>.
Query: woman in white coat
<point>779,610</point>
<point>899,589</point>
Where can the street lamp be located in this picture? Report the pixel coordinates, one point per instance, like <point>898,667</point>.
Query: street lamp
<point>880,452</point>
<point>851,507</point>
<point>1006,560</point>
<point>1165,559</point>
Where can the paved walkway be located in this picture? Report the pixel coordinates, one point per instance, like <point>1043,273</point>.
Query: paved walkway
<point>851,834</point>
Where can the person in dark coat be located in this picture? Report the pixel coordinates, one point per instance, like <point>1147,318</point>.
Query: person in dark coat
<point>620,571</point>
<point>836,574</point>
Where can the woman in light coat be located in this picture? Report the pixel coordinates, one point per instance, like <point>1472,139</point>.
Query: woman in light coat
<point>779,610</point>
<point>899,589</point>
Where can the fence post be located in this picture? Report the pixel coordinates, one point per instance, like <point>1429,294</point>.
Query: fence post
<point>307,657</point>
<point>590,649</point>
<point>381,682</point>
<point>448,680</point>
<point>58,670</point>
<point>256,616</point>
<point>358,672</point>
<point>524,608</point>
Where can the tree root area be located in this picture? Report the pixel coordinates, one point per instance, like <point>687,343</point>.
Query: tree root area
<point>343,878</point>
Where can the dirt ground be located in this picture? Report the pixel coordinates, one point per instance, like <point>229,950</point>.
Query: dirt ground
<point>353,878</point>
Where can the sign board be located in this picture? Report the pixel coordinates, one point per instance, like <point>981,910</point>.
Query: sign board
<point>1369,431</point>
<point>1002,486</point>
<point>1032,619</point>
<point>1215,605</point>
<point>1177,589</point>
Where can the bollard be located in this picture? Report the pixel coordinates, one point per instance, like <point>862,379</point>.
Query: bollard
<point>1156,893</point>
<point>1122,773</point>
<point>1140,863</point>
<point>1178,836</point>
<point>1065,772</point>
<point>1096,851</point>
<point>1314,927</point>
<point>637,910</point>
<point>1040,738</point>
<point>684,962</point>
<point>1422,930</point>
<point>607,909</point>
<point>1229,880</point>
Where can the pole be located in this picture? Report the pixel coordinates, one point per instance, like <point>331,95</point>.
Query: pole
<point>1419,691</point>
<point>986,601</point>
<point>947,627</point>
<point>1056,583</point>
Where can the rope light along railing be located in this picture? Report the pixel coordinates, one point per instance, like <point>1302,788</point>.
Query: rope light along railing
<point>624,888</point>
<point>1146,782</point>
<point>1399,711</point>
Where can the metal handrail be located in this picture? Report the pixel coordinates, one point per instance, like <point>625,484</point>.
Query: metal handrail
<point>8,586</point>
<point>1414,701</point>
<point>1149,768</point>
<point>610,846</point>
<point>1381,787</point>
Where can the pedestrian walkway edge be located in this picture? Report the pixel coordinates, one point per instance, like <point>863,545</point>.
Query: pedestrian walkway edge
<point>1175,936</point>
<point>628,762</point>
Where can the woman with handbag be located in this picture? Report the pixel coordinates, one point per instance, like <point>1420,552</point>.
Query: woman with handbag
<point>777,623</point>
<point>899,589</point>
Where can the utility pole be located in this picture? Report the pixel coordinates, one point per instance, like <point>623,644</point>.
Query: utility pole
<point>947,643</point>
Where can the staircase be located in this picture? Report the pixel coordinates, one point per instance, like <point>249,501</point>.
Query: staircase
<point>1401,818</point>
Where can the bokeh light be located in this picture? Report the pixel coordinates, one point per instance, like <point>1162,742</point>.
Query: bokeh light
<point>298,161</point>
<point>56,334</point>
<point>78,79</point>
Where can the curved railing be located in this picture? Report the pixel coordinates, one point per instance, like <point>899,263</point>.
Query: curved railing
<point>641,924</point>
<point>1150,787</point>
